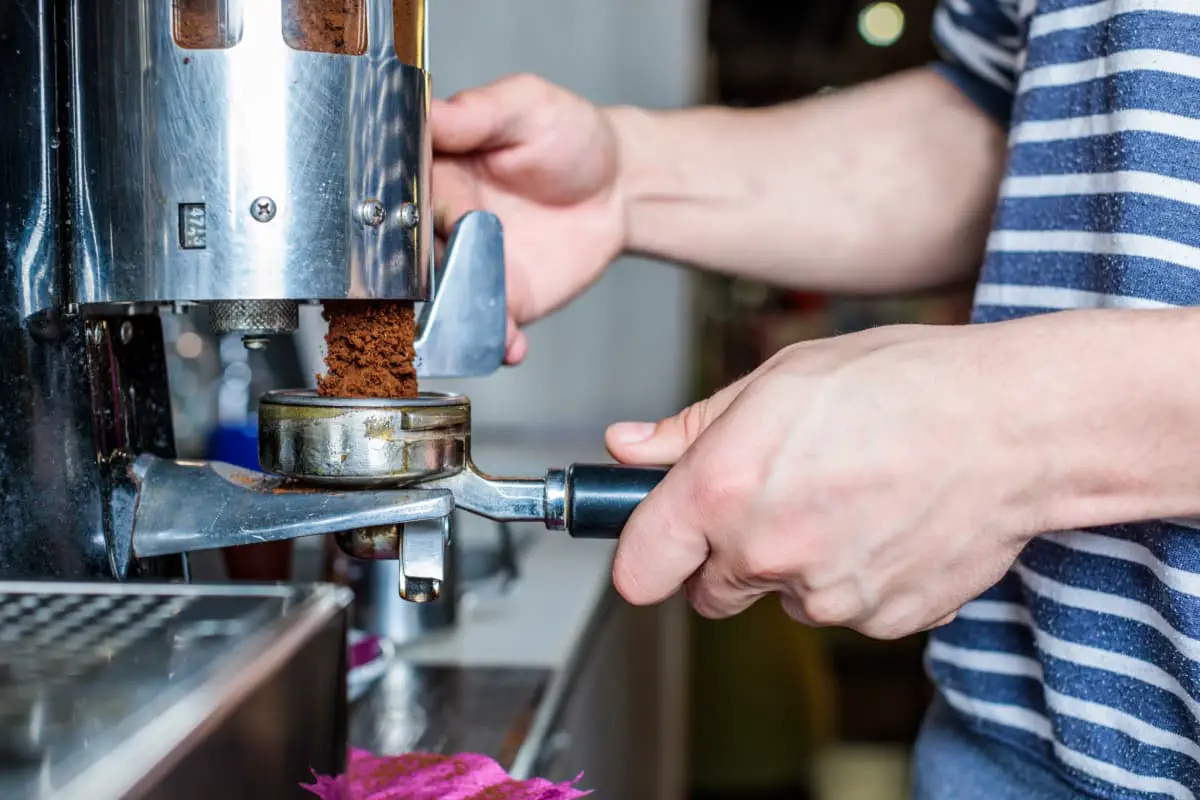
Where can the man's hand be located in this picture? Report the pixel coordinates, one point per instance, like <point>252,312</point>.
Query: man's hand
<point>546,163</point>
<point>802,195</point>
<point>868,479</point>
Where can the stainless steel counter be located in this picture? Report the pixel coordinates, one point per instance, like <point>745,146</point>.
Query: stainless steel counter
<point>506,713</point>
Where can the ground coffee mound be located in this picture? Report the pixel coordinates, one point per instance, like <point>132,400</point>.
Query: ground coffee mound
<point>369,350</point>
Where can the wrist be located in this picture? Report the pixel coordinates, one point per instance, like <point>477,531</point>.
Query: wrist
<point>642,168</point>
<point>1105,423</point>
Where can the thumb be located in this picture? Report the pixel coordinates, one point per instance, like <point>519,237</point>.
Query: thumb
<point>665,442</point>
<point>488,118</point>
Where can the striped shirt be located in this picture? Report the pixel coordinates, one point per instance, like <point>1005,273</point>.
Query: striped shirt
<point>1087,654</point>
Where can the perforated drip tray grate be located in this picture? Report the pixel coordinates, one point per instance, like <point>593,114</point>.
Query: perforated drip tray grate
<point>46,639</point>
<point>83,667</point>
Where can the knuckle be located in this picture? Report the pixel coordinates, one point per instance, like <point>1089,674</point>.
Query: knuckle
<point>527,82</point>
<point>831,608</point>
<point>760,560</point>
<point>692,421</point>
<point>894,620</point>
<point>701,599</point>
<point>882,630</point>
<point>721,489</point>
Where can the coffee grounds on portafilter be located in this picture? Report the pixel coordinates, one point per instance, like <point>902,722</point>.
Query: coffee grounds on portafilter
<point>369,350</point>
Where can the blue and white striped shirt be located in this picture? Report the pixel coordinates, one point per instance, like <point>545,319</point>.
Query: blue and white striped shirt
<point>1087,655</point>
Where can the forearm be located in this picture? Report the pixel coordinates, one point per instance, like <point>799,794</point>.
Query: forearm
<point>1103,415</point>
<point>882,188</point>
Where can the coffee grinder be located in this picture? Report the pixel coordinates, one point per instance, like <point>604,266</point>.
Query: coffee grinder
<point>239,158</point>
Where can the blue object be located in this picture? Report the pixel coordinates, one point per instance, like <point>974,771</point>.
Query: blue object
<point>235,444</point>
<point>953,761</point>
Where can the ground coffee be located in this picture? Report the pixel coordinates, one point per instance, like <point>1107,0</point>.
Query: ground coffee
<point>325,26</point>
<point>369,350</point>
<point>202,24</point>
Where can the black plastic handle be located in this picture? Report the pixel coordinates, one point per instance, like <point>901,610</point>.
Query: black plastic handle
<point>601,497</point>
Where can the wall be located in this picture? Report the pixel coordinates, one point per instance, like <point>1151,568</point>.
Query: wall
<point>622,350</point>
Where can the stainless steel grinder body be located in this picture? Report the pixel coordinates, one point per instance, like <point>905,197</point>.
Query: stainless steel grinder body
<point>246,171</point>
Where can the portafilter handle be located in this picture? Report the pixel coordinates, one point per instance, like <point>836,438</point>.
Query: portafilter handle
<point>595,501</point>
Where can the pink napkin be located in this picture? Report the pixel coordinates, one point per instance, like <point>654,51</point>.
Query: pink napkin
<point>423,776</point>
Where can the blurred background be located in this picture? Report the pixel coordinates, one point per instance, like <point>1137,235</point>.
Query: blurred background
<point>776,710</point>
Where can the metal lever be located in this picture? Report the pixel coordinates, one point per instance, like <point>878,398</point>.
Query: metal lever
<point>464,329</point>
<point>186,506</point>
<point>588,501</point>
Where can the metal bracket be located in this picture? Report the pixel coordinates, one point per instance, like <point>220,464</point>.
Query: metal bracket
<point>185,506</point>
<point>465,327</point>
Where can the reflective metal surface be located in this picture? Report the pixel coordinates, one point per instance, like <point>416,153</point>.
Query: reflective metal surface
<point>384,599</point>
<point>464,329</point>
<point>264,317</point>
<point>185,507</point>
<point>501,499</point>
<point>356,443</point>
<point>423,560</point>
<point>46,446</point>
<point>176,152</point>
<point>30,212</point>
<point>451,710</point>
<point>115,691</point>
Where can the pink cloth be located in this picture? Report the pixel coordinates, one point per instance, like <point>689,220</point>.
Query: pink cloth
<point>422,776</point>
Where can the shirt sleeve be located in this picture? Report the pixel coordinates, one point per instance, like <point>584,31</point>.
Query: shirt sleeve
<point>980,42</point>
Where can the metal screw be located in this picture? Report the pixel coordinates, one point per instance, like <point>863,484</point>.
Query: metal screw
<point>126,332</point>
<point>254,342</point>
<point>263,209</point>
<point>409,215</point>
<point>372,213</point>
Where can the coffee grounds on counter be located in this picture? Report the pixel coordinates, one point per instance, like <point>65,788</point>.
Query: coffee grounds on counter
<point>369,350</point>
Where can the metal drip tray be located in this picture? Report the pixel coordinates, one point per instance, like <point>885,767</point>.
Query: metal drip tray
<point>111,691</point>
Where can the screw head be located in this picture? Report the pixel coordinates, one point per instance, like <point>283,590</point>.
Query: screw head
<point>263,209</point>
<point>372,213</point>
<point>126,332</point>
<point>409,215</point>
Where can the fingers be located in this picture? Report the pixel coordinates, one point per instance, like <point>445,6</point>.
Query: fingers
<point>666,540</point>
<point>455,192</point>
<point>660,548</point>
<point>517,345</point>
<point>716,594</point>
<point>665,442</point>
<point>488,118</point>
